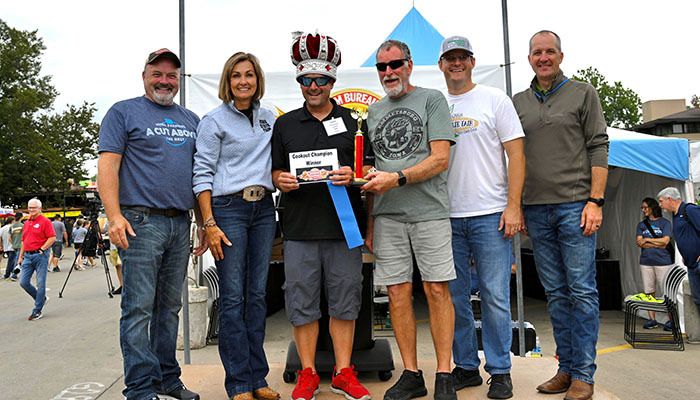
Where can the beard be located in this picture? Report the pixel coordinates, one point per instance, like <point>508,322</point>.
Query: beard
<point>396,90</point>
<point>164,99</point>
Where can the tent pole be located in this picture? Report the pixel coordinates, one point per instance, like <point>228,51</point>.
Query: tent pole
<point>185,287</point>
<point>516,239</point>
<point>506,46</point>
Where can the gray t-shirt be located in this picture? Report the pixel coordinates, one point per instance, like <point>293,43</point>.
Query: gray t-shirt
<point>157,147</point>
<point>79,235</point>
<point>60,229</point>
<point>400,132</point>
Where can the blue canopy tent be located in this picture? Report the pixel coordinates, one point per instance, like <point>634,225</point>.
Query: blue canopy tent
<point>640,166</point>
<point>422,38</point>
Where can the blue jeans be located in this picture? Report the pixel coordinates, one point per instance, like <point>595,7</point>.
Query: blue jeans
<point>153,269</point>
<point>31,263</point>
<point>479,237</point>
<point>11,261</point>
<point>250,227</point>
<point>565,261</point>
<point>694,280</point>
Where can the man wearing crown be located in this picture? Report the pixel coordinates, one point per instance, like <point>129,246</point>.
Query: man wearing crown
<point>316,256</point>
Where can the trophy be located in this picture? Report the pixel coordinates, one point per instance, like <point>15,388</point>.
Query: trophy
<point>359,115</point>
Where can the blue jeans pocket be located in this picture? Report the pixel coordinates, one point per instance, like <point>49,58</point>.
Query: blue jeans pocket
<point>221,201</point>
<point>134,217</point>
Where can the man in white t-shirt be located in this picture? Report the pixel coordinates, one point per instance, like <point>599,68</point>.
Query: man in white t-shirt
<point>485,213</point>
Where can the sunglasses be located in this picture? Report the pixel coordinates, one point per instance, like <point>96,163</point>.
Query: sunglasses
<point>395,64</point>
<point>320,80</point>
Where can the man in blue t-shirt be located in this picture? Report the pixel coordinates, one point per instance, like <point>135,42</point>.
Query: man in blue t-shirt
<point>145,181</point>
<point>686,232</point>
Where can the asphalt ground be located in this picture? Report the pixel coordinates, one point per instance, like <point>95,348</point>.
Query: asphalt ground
<point>73,351</point>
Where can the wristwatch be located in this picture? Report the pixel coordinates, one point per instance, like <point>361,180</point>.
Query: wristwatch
<point>402,178</point>
<point>599,202</point>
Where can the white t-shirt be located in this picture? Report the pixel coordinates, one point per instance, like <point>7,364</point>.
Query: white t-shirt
<point>5,237</point>
<point>483,119</point>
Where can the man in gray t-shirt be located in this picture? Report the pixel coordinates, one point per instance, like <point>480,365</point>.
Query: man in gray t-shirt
<point>57,247</point>
<point>411,132</point>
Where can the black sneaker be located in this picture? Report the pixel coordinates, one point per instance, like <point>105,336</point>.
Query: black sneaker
<point>35,316</point>
<point>117,290</point>
<point>501,387</point>
<point>182,393</point>
<point>466,377</point>
<point>56,269</point>
<point>445,386</point>
<point>410,385</point>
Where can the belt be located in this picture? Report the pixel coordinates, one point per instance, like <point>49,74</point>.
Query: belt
<point>32,251</point>
<point>166,212</point>
<point>252,193</point>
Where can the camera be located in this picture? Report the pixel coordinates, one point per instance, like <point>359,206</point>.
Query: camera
<point>92,206</point>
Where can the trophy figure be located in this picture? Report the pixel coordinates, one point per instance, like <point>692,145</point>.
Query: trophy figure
<point>359,115</point>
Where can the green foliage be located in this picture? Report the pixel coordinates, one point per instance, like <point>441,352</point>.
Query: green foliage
<point>621,106</point>
<point>695,101</point>
<point>40,148</point>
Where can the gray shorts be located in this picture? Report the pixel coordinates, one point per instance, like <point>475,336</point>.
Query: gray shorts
<point>431,242</point>
<point>57,249</point>
<point>306,265</point>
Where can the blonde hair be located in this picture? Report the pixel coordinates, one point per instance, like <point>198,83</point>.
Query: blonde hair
<point>225,93</point>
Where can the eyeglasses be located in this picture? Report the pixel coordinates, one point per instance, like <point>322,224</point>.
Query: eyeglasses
<point>453,57</point>
<point>395,64</point>
<point>320,80</point>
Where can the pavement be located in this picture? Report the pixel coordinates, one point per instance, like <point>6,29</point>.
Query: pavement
<point>73,352</point>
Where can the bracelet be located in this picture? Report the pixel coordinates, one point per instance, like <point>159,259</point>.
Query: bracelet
<point>209,222</point>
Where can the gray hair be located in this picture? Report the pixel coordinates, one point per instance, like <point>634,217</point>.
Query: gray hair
<point>388,44</point>
<point>669,192</point>
<point>557,39</point>
<point>35,201</point>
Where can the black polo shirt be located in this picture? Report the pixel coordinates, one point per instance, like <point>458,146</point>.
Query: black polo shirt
<point>308,212</point>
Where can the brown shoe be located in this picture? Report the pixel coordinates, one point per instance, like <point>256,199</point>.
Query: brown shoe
<point>243,396</point>
<point>266,393</point>
<point>558,384</point>
<point>579,390</point>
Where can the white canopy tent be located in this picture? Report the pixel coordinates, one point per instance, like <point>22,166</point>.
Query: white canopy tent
<point>282,91</point>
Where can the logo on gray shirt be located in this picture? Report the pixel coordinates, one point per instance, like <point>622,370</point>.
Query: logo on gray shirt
<point>398,134</point>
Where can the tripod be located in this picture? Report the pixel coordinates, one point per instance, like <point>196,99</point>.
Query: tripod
<point>103,259</point>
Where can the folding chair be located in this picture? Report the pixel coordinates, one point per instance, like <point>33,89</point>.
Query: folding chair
<point>657,340</point>
<point>211,275</point>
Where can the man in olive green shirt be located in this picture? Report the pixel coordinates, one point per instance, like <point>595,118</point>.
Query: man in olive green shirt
<point>566,149</point>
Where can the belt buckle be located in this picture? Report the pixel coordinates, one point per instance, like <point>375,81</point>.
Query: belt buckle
<point>253,193</point>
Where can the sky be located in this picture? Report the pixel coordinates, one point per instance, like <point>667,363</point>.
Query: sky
<point>95,50</point>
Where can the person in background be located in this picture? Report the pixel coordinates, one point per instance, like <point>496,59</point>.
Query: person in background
<point>7,248</point>
<point>239,219</point>
<point>79,233</point>
<point>653,234</point>
<point>114,259</point>
<point>37,237</point>
<point>57,248</point>
<point>16,238</point>
<point>686,232</point>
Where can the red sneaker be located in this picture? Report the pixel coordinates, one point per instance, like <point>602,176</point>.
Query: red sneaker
<point>307,385</point>
<point>345,382</point>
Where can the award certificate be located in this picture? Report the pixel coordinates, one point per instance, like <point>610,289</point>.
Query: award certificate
<point>313,166</point>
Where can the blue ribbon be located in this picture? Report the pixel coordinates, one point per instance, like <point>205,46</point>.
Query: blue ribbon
<point>341,201</point>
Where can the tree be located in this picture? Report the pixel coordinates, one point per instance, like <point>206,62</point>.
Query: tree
<point>695,101</point>
<point>621,106</point>
<point>40,148</point>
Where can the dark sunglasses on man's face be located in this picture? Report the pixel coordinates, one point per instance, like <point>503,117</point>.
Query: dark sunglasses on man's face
<point>320,80</point>
<point>395,64</point>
